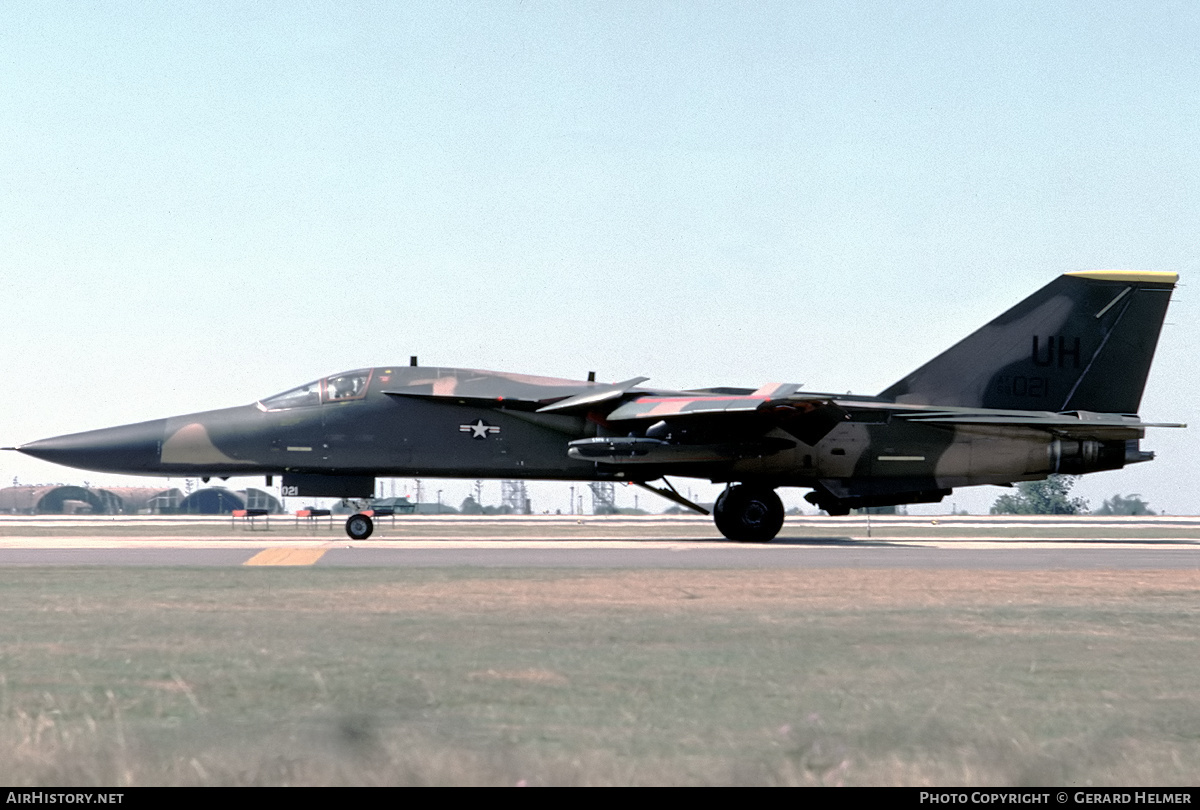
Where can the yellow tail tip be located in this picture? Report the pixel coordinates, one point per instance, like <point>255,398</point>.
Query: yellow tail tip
<point>1136,276</point>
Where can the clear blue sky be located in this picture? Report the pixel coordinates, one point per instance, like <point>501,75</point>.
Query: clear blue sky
<point>204,204</point>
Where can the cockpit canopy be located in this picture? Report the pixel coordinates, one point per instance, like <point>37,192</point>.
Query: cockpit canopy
<point>350,385</point>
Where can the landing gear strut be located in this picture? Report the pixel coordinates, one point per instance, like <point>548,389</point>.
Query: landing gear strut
<point>359,527</point>
<point>748,514</point>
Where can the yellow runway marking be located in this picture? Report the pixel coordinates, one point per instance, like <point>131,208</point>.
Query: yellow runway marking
<point>286,556</point>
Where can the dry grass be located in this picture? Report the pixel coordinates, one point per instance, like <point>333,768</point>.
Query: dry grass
<point>386,676</point>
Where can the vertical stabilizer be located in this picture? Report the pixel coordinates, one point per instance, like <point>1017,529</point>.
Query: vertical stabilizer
<point>1082,342</point>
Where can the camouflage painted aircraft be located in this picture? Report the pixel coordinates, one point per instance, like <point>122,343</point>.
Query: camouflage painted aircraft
<point>1051,386</point>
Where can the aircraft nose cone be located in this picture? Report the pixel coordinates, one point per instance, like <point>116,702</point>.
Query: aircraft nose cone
<point>125,449</point>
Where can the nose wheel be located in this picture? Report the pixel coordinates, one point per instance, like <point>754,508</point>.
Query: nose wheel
<point>748,514</point>
<point>359,527</point>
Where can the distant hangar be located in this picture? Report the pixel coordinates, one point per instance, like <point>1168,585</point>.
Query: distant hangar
<point>64,499</point>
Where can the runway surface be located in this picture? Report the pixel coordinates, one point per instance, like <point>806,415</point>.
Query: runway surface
<point>783,556</point>
<point>892,543</point>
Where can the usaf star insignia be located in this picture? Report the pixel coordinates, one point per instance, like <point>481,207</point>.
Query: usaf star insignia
<point>479,429</point>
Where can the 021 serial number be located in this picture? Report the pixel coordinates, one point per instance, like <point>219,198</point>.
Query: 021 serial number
<point>1020,386</point>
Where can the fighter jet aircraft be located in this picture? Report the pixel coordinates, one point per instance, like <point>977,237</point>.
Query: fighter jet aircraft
<point>1051,386</point>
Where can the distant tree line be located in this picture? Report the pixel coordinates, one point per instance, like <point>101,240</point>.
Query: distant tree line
<point>1053,497</point>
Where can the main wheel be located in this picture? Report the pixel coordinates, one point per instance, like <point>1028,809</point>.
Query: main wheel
<point>359,527</point>
<point>748,514</point>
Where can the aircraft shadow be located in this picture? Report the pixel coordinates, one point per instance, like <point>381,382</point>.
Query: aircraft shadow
<point>823,542</point>
<point>833,541</point>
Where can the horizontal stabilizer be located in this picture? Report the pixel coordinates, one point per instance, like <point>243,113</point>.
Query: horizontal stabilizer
<point>1106,427</point>
<point>1076,424</point>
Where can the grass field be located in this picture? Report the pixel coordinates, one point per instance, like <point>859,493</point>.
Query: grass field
<point>461,676</point>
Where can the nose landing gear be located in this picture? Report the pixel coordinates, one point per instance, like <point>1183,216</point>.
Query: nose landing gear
<point>748,514</point>
<point>359,527</point>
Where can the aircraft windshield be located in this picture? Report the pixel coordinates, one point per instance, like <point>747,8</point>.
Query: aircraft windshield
<point>296,398</point>
<point>338,388</point>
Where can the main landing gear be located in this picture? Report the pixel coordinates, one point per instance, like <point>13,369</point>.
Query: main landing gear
<point>748,514</point>
<point>359,527</point>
